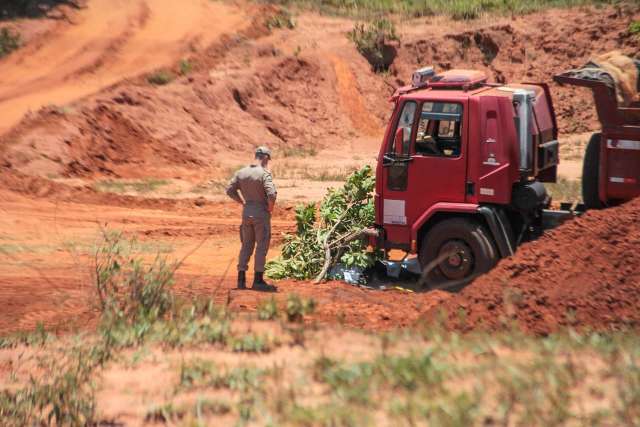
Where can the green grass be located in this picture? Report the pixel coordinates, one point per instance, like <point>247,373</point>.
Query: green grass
<point>282,19</point>
<point>565,190</point>
<point>160,78</point>
<point>634,27</point>
<point>303,151</point>
<point>338,377</point>
<point>268,309</point>
<point>123,186</point>
<point>186,67</point>
<point>456,9</point>
<point>286,170</point>
<point>9,41</point>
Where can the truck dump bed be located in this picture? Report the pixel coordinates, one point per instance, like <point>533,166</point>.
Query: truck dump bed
<point>610,114</point>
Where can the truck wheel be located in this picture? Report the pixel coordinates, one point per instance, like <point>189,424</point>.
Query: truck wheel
<point>471,253</point>
<point>591,173</point>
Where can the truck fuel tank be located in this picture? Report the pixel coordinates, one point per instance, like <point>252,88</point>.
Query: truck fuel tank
<point>529,196</point>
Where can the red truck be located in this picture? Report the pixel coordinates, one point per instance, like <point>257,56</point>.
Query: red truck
<point>461,170</point>
<point>611,168</point>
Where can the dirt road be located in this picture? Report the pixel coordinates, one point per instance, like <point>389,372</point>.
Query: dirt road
<point>46,247</point>
<point>108,41</point>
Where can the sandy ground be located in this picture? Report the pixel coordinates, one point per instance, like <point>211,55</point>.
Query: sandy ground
<point>108,41</point>
<point>46,248</point>
<point>69,169</point>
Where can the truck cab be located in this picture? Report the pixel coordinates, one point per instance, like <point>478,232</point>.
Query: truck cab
<point>460,172</point>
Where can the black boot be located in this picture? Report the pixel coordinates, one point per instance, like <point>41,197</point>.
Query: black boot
<point>260,285</point>
<point>242,280</point>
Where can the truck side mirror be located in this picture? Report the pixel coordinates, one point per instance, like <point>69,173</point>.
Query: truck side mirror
<point>397,141</point>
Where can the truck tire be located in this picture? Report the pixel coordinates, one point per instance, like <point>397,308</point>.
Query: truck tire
<point>473,248</point>
<point>591,173</point>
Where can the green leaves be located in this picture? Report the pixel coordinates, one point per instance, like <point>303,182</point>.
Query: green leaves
<point>343,214</point>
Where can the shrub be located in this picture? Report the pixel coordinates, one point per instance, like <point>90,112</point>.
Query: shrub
<point>160,78</point>
<point>130,292</point>
<point>268,309</point>
<point>298,307</point>
<point>32,8</point>
<point>282,19</point>
<point>185,67</point>
<point>9,41</point>
<point>372,41</point>
<point>634,28</point>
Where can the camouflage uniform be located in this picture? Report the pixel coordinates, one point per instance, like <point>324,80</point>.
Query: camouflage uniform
<point>257,189</point>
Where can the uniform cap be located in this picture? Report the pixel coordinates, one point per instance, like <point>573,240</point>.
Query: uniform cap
<point>263,150</point>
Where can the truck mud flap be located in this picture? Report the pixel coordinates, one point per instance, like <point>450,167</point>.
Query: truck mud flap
<point>498,230</point>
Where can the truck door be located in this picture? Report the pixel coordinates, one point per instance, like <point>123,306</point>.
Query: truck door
<point>395,177</point>
<point>438,170</point>
<point>430,167</point>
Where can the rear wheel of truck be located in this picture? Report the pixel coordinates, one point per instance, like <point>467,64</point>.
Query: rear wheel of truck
<point>591,173</point>
<point>455,252</point>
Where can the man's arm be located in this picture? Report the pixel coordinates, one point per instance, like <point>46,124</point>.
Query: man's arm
<point>232,189</point>
<point>270,191</point>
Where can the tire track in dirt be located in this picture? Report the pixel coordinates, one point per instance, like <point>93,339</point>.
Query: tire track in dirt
<point>109,41</point>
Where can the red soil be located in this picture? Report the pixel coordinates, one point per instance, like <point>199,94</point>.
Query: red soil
<point>529,48</point>
<point>303,88</point>
<point>583,274</point>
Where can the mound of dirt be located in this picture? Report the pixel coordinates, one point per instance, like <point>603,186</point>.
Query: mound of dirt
<point>584,274</point>
<point>198,122</point>
<point>303,89</point>
<point>529,48</point>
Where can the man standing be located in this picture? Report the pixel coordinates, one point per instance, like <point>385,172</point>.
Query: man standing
<point>258,192</point>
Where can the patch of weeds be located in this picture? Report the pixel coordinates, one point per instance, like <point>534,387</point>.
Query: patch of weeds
<point>329,414</point>
<point>64,396</point>
<point>186,67</point>
<point>196,372</point>
<point>38,337</point>
<point>373,42</point>
<point>251,343</point>
<point>536,392</point>
<point>241,379</point>
<point>282,19</point>
<point>268,309</point>
<point>349,382</point>
<point>200,323</point>
<point>143,186</point>
<point>565,190</point>
<point>165,413</point>
<point>129,291</point>
<point>634,28</point>
<point>9,41</point>
<point>161,77</point>
<point>302,151</point>
<point>208,407</point>
<point>411,371</point>
<point>628,390</point>
<point>457,9</point>
<point>203,373</point>
<point>464,10</point>
<point>296,308</point>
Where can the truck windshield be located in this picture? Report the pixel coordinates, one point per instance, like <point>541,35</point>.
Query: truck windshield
<point>405,123</point>
<point>439,129</point>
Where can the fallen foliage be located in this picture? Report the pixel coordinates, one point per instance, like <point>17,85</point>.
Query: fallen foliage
<point>335,238</point>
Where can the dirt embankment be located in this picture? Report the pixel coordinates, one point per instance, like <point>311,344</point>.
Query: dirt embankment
<point>529,48</point>
<point>303,89</point>
<point>583,274</point>
<point>102,43</point>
